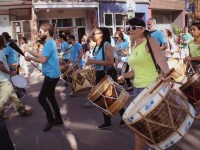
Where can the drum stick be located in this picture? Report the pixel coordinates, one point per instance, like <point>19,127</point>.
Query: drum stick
<point>191,66</point>
<point>160,82</point>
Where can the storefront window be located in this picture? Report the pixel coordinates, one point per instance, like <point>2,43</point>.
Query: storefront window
<point>119,19</point>
<point>62,22</point>
<point>80,22</point>
<point>108,19</point>
<point>40,22</point>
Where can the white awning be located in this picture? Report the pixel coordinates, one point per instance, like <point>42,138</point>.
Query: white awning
<point>66,5</point>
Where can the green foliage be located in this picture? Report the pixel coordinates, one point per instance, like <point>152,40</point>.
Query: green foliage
<point>176,30</point>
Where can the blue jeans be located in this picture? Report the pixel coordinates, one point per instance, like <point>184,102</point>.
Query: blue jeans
<point>137,91</point>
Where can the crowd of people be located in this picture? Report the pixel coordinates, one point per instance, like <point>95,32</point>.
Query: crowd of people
<point>145,50</point>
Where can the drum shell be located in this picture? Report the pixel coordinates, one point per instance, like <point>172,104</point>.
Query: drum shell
<point>108,96</point>
<point>179,69</point>
<point>159,117</point>
<point>83,78</point>
<point>67,75</point>
<point>191,89</point>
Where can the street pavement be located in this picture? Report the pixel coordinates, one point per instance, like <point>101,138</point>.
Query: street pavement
<point>79,131</point>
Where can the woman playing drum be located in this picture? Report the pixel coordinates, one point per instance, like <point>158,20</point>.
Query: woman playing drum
<point>103,61</point>
<point>141,63</point>
<point>194,46</point>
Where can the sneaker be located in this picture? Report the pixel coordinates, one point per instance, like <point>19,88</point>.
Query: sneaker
<point>58,121</point>
<point>27,112</point>
<point>122,123</point>
<point>88,104</point>
<point>104,126</point>
<point>72,94</point>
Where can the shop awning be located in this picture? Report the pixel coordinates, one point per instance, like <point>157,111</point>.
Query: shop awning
<point>41,5</point>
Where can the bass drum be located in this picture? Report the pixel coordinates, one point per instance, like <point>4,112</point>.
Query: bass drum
<point>161,117</point>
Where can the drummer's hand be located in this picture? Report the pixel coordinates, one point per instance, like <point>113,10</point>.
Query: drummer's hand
<point>167,79</point>
<point>12,73</point>
<point>120,79</point>
<point>87,64</point>
<point>27,58</point>
<point>28,50</point>
<point>77,60</point>
<point>188,58</point>
<point>90,61</point>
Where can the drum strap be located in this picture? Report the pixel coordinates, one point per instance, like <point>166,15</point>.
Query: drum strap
<point>152,55</point>
<point>103,54</point>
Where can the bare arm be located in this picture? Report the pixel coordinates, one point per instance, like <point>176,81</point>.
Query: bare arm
<point>37,57</point>
<point>109,55</point>
<point>129,74</point>
<point>126,52</point>
<point>5,70</point>
<point>164,46</point>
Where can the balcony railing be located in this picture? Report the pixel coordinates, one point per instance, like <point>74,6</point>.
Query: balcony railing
<point>35,1</point>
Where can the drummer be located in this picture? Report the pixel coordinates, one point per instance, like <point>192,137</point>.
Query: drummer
<point>103,61</point>
<point>65,48</point>
<point>143,68</point>
<point>194,46</point>
<point>7,91</point>
<point>76,53</point>
<point>122,52</point>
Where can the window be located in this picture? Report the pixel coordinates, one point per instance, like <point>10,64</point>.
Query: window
<point>62,22</point>
<point>108,19</point>
<point>80,22</point>
<point>40,22</point>
<point>119,19</point>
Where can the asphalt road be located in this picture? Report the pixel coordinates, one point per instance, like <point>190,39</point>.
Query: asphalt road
<point>79,131</point>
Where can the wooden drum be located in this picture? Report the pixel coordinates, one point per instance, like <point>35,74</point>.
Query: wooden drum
<point>67,75</point>
<point>179,69</point>
<point>160,117</point>
<point>191,89</point>
<point>108,96</point>
<point>83,78</point>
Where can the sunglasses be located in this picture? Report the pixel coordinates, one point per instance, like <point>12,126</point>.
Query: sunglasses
<point>96,33</point>
<point>134,27</point>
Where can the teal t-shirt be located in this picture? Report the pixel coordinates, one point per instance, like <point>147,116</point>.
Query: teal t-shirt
<point>12,55</point>
<point>159,36</point>
<point>122,46</point>
<point>51,67</point>
<point>186,37</point>
<point>75,53</point>
<point>64,47</point>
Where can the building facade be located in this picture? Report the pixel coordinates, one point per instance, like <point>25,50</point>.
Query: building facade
<point>112,13</point>
<point>16,18</point>
<point>79,17</point>
<point>168,13</point>
<point>23,17</point>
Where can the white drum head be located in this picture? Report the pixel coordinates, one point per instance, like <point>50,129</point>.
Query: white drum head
<point>18,81</point>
